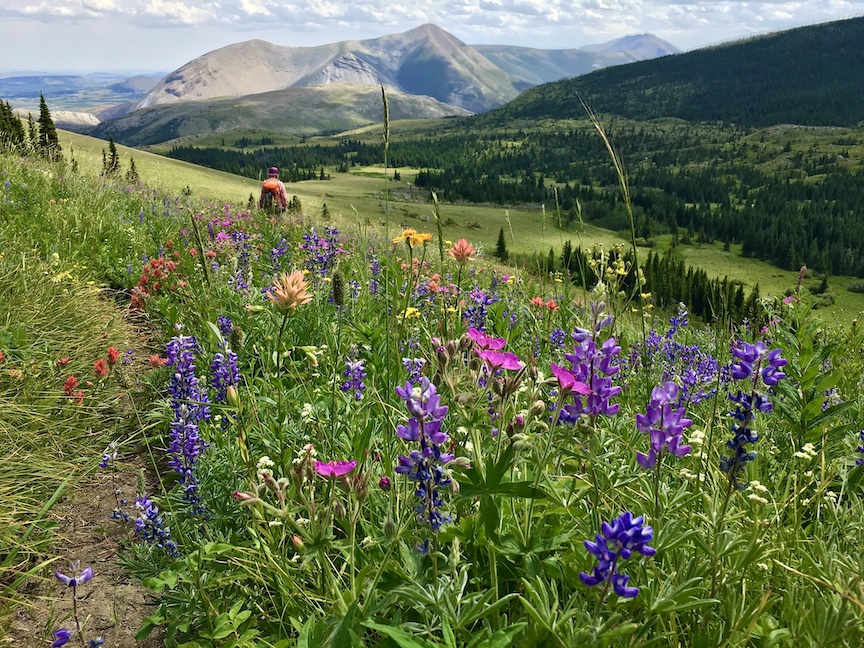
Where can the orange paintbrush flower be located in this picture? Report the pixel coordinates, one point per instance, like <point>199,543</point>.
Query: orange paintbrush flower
<point>290,291</point>
<point>462,251</point>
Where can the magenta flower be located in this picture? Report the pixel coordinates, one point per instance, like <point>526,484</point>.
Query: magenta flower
<point>334,468</point>
<point>484,341</point>
<point>501,360</point>
<point>568,383</point>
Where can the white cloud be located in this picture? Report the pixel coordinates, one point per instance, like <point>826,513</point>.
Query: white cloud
<point>532,23</point>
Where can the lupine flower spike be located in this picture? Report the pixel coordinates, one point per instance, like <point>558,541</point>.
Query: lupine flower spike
<point>618,540</point>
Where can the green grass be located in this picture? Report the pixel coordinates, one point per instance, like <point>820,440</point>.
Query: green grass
<point>363,191</point>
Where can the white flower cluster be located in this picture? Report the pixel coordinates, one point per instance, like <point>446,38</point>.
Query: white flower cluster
<point>807,452</point>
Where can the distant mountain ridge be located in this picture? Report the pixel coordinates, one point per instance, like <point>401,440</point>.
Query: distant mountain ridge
<point>531,66</point>
<point>426,60</point>
<point>299,111</point>
<point>808,76</point>
<point>423,61</point>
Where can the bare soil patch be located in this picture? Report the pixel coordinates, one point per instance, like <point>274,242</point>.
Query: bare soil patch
<point>112,605</point>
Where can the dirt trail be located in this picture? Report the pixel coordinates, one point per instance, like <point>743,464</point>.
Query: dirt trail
<point>112,605</point>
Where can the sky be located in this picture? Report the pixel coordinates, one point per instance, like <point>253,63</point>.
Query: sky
<point>163,35</point>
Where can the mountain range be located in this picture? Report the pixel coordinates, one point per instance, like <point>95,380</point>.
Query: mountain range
<point>423,61</point>
<point>442,74</point>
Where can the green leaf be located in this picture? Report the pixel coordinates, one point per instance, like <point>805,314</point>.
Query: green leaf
<point>402,638</point>
<point>503,637</point>
<point>447,632</point>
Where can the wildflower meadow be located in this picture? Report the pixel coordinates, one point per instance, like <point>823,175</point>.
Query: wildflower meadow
<point>372,435</point>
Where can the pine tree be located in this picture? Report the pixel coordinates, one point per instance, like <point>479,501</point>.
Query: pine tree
<point>132,174</point>
<point>49,142</point>
<point>111,164</point>
<point>32,131</point>
<point>11,131</point>
<point>501,247</point>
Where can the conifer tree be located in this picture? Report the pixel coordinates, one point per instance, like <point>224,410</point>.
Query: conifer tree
<point>11,131</point>
<point>32,131</point>
<point>49,142</point>
<point>501,247</point>
<point>111,164</point>
<point>132,174</point>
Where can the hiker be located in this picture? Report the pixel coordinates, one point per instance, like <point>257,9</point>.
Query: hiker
<point>274,197</point>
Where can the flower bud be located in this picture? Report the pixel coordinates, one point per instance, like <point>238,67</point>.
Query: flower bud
<point>233,397</point>
<point>521,442</point>
<point>384,484</point>
<point>537,408</point>
<point>389,529</point>
<point>339,511</point>
<point>465,343</point>
<point>297,541</point>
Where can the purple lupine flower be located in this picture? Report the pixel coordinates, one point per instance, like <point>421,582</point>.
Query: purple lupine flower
<point>478,309</point>
<point>74,581</point>
<point>354,374</point>
<point>754,361</point>
<point>425,465</point>
<point>414,366</point>
<point>375,271</point>
<point>225,326</point>
<point>277,253</point>
<point>322,250</point>
<point>61,637</point>
<point>860,461</point>
<point>150,527</point>
<point>558,337</point>
<point>190,405</point>
<point>224,374</point>
<point>618,540</point>
<point>664,423</point>
<point>594,367</point>
<point>422,400</point>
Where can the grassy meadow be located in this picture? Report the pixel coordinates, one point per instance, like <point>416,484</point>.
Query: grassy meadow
<point>364,191</point>
<point>387,438</point>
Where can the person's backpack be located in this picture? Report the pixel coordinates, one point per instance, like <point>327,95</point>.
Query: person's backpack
<point>271,190</point>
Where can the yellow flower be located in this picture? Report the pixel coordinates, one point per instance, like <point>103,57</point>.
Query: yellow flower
<point>289,291</point>
<point>413,238</point>
<point>410,312</point>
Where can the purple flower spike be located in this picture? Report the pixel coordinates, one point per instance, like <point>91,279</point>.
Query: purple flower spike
<point>664,424</point>
<point>618,540</point>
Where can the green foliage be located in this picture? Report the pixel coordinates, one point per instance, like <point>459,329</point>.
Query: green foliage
<point>761,81</point>
<point>49,141</point>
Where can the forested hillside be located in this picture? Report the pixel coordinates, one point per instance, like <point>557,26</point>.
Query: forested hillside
<point>810,75</point>
<point>789,206</point>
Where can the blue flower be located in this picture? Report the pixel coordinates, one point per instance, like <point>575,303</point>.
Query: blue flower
<point>70,581</point>
<point>61,637</point>
<point>354,373</point>
<point>618,540</point>
<point>664,423</point>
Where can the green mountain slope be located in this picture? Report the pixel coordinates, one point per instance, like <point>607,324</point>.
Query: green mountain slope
<point>810,76</point>
<point>296,110</point>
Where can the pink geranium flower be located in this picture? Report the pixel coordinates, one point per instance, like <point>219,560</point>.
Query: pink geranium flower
<point>501,360</point>
<point>334,468</point>
<point>567,381</point>
<point>484,341</point>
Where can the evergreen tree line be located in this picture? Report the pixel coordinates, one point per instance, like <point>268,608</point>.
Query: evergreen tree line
<point>698,183</point>
<point>668,280</point>
<point>40,136</point>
